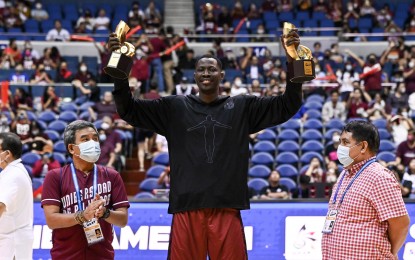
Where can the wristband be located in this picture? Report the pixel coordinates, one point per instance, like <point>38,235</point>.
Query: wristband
<point>107,213</point>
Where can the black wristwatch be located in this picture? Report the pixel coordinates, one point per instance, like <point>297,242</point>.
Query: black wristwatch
<point>106,214</point>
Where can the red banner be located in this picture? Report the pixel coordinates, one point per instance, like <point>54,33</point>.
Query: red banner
<point>5,92</point>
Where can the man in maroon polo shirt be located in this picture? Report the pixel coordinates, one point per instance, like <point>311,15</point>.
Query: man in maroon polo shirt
<point>81,197</point>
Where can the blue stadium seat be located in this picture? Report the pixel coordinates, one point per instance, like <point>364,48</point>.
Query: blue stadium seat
<point>37,183</point>
<point>267,135</point>
<point>328,135</point>
<point>287,158</point>
<point>288,146</point>
<point>380,123</point>
<point>289,183</point>
<point>262,158</point>
<point>312,134</point>
<point>254,23</point>
<point>144,195</point>
<point>384,134</point>
<point>85,116</point>
<point>286,16</point>
<point>30,158</point>
<point>68,116</point>
<point>313,124</point>
<point>287,170</point>
<point>46,25</point>
<point>271,25</point>
<point>257,184</point>
<point>189,74</point>
<point>291,124</point>
<point>386,156</point>
<point>315,98</point>
<point>313,114</point>
<point>69,106</point>
<point>365,23</point>
<point>335,123</point>
<point>264,146</point>
<point>47,116</point>
<point>270,16</point>
<point>149,185</point>
<point>259,171</point>
<point>386,145</point>
<point>302,15</point>
<point>84,106</point>
<point>98,123</point>
<point>161,159</point>
<point>31,25</point>
<point>308,156</point>
<point>312,146</point>
<point>319,15</point>
<point>313,105</point>
<point>288,134</point>
<point>53,135</point>
<point>59,147</point>
<point>58,125</point>
<point>61,158</point>
<point>155,171</point>
<point>31,115</point>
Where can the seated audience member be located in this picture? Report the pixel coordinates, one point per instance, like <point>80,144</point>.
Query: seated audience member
<point>184,88</point>
<point>22,100</point>
<point>38,141</point>
<point>398,126</point>
<point>58,33</point>
<point>357,104</point>
<point>188,61</point>
<point>18,76</point>
<point>48,61</point>
<point>406,150</point>
<point>39,13</point>
<point>377,108</point>
<point>164,178</point>
<point>237,88</point>
<point>404,184</point>
<point>315,172</point>
<point>107,157</point>
<point>45,164</point>
<point>102,21</point>
<point>4,124</point>
<point>409,175</point>
<point>333,108</point>
<point>161,145</point>
<point>63,73</point>
<point>22,126</point>
<point>332,172</point>
<point>330,151</point>
<point>41,77</point>
<point>83,74</point>
<point>104,108</point>
<point>112,136</point>
<point>93,92</point>
<point>274,190</point>
<point>30,56</point>
<point>49,100</point>
<point>399,98</point>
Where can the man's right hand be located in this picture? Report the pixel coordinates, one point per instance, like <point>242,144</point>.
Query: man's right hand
<point>113,42</point>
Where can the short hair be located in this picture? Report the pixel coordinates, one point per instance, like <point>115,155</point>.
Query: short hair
<point>364,131</point>
<point>72,128</point>
<point>208,56</point>
<point>12,142</point>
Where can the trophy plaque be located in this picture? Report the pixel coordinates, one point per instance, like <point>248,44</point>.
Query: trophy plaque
<point>120,62</point>
<point>303,64</point>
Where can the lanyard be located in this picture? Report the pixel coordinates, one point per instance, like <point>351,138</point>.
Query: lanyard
<point>351,182</point>
<point>75,181</point>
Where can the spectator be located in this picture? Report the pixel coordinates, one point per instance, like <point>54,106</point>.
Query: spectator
<point>63,73</point>
<point>4,123</point>
<point>58,33</point>
<point>377,109</point>
<point>44,165</point>
<point>367,10</point>
<point>314,172</point>
<point>22,126</point>
<point>285,6</point>
<point>237,88</point>
<point>136,11</point>
<point>404,185</point>
<point>224,17</point>
<point>333,108</point>
<point>22,100</point>
<point>112,136</point>
<point>409,76</point>
<point>18,76</point>
<point>399,127</point>
<point>255,89</point>
<point>253,12</point>
<point>260,31</point>
<point>409,176</point>
<point>159,45</point>
<point>210,23</point>
<point>49,100</point>
<point>269,6</point>
<point>88,19</point>
<point>38,13</point>
<point>304,5</point>
<point>346,79</point>
<point>188,62</point>
<point>38,141</point>
<point>41,77</point>
<point>330,150</point>
<point>83,74</point>
<point>356,104</point>
<point>13,52</point>
<point>107,156</point>
<point>237,11</point>
<point>405,151</point>
<point>153,18</point>
<point>12,18</point>
<point>30,56</point>
<point>81,29</point>
<point>184,88</point>
<point>47,61</point>
<point>161,145</point>
<point>253,70</point>
<point>274,190</point>
<point>93,92</point>
<point>351,13</point>
<point>320,6</point>
<point>335,14</point>
<point>141,70</point>
<point>399,98</point>
<point>164,179</point>
<point>102,21</point>
<point>384,16</point>
<point>332,172</point>
<point>104,108</point>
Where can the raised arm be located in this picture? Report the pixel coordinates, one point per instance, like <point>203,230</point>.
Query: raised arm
<point>356,57</point>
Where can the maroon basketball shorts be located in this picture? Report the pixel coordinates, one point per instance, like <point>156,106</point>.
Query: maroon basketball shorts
<point>217,233</point>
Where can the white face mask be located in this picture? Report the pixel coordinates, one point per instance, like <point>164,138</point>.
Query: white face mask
<point>83,68</point>
<point>102,137</point>
<point>105,126</point>
<point>89,151</point>
<point>238,83</point>
<point>348,67</point>
<point>343,154</point>
<point>336,138</point>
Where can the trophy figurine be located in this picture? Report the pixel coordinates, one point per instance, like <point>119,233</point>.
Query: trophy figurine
<point>120,62</point>
<point>303,64</point>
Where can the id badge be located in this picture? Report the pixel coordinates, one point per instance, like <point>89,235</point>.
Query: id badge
<point>330,220</point>
<point>93,232</point>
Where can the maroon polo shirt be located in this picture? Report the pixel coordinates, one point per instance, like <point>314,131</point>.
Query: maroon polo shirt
<point>59,190</point>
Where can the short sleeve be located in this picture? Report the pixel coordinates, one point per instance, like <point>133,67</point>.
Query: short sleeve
<point>387,197</point>
<point>51,193</point>
<point>119,195</point>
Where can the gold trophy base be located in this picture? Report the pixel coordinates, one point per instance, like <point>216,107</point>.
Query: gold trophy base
<point>119,65</point>
<point>303,70</point>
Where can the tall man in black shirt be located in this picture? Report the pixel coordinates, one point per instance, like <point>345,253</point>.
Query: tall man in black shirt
<point>208,137</point>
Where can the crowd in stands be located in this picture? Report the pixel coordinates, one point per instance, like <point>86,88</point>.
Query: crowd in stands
<point>378,88</point>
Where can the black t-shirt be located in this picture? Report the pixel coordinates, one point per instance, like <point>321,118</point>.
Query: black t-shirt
<point>408,185</point>
<point>269,189</point>
<point>208,143</point>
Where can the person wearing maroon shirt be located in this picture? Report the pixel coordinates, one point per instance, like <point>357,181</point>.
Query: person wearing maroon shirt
<point>44,165</point>
<point>66,211</point>
<point>104,108</point>
<point>159,45</point>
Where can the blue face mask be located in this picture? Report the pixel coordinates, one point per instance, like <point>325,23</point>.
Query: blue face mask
<point>89,151</point>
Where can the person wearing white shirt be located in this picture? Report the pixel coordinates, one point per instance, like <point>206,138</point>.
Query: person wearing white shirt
<point>237,88</point>
<point>102,21</point>
<point>16,201</point>
<point>333,108</point>
<point>58,33</point>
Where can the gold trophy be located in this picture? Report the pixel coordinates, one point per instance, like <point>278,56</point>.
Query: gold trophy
<point>303,64</point>
<point>120,62</point>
